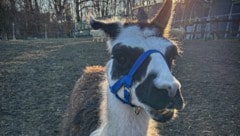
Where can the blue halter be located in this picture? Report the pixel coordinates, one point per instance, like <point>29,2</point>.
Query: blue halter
<point>126,80</point>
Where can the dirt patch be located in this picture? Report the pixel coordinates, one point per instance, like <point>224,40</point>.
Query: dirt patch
<point>36,78</point>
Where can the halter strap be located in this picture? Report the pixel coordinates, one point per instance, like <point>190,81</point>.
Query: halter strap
<point>126,80</point>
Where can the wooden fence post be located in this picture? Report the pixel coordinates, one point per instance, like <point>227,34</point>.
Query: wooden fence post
<point>228,23</point>
<point>238,35</point>
<point>45,31</point>
<point>13,31</point>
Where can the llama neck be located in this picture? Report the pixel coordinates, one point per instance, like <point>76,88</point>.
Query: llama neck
<point>121,119</point>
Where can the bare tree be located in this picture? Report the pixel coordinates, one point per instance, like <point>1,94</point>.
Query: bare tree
<point>59,9</point>
<point>6,17</point>
<point>77,10</point>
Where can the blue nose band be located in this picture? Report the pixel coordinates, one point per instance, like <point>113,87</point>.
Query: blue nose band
<point>126,80</point>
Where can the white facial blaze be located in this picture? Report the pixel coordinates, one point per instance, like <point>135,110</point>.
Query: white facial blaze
<point>164,79</point>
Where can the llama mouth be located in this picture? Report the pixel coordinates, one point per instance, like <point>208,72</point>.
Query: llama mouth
<point>169,112</point>
<point>177,102</point>
<point>162,108</point>
<point>163,115</point>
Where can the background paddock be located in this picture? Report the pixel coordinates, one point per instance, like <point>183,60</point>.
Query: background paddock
<point>37,77</point>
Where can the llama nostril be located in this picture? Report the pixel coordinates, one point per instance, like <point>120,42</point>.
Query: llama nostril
<point>169,88</point>
<point>172,90</point>
<point>171,93</point>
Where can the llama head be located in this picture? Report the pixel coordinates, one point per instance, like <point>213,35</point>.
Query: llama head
<point>152,86</point>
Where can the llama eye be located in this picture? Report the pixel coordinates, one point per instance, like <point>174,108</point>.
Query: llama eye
<point>120,60</point>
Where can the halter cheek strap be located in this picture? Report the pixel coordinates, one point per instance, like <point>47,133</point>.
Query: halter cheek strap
<point>126,80</point>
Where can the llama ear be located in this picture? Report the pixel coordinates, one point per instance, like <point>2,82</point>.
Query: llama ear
<point>164,17</point>
<point>111,29</point>
<point>170,55</point>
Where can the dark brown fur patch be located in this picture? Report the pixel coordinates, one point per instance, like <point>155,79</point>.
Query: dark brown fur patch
<point>111,29</point>
<point>129,55</point>
<point>171,54</point>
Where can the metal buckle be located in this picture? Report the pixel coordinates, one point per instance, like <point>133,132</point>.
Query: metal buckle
<point>137,110</point>
<point>127,94</point>
<point>127,89</point>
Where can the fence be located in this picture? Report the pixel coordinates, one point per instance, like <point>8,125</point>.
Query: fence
<point>44,31</point>
<point>215,27</point>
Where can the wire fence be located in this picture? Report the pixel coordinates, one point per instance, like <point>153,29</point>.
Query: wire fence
<point>215,27</point>
<point>44,31</point>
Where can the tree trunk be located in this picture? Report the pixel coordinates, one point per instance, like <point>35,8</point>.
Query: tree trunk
<point>77,10</point>
<point>59,9</point>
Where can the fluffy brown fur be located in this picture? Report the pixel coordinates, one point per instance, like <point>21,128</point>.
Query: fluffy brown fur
<point>82,115</point>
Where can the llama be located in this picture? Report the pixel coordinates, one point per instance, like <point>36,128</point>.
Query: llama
<point>138,89</point>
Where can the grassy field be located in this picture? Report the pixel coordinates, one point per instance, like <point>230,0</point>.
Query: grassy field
<point>37,76</point>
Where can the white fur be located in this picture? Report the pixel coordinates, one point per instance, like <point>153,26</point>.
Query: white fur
<point>119,119</point>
